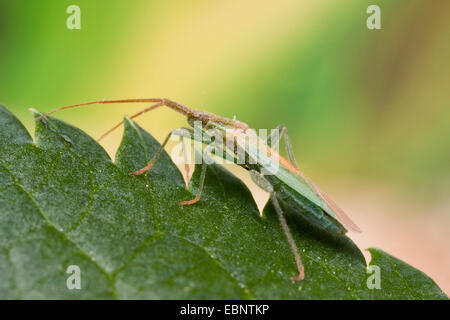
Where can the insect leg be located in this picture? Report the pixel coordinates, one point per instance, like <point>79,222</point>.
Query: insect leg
<point>274,139</point>
<point>200,186</point>
<point>275,136</point>
<point>152,162</point>
<point>288,145</point>
<point>186,164</point>
<point>262,182</point>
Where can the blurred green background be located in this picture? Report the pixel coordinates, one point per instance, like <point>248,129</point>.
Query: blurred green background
<point>367,110</point>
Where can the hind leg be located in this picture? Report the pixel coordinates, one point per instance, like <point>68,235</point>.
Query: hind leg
<point>263,183</point>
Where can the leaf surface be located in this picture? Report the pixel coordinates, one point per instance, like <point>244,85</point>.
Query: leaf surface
<point>64,202</point>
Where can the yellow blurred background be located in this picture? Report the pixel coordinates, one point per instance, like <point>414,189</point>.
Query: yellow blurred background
<point>367,110</point>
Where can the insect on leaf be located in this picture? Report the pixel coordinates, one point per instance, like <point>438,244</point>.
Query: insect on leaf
<point>63,202</point>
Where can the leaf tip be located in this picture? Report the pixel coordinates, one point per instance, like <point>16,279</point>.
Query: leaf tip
<point>128,120</point>
<point>37,115</point>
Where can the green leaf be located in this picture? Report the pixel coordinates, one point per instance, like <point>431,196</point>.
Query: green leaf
<point>64,202</point>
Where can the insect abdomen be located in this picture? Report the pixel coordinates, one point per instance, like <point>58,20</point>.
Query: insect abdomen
<point>295,203</point>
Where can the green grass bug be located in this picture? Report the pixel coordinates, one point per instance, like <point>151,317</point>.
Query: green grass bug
<point>289,189</point>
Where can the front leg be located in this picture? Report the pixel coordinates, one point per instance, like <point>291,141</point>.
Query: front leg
<point>152,162</point>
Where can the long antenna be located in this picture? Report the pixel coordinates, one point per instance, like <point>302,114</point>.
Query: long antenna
<point>163,101</point>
